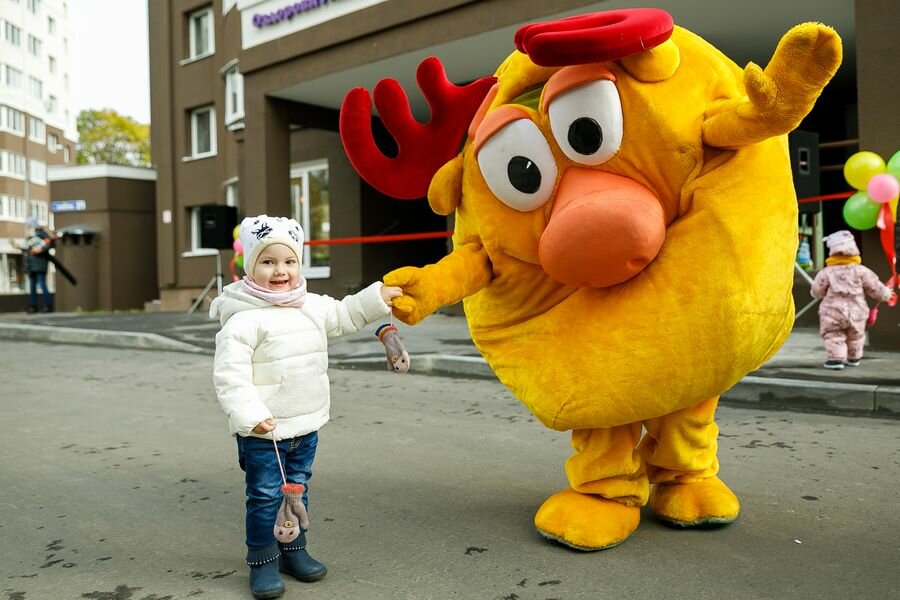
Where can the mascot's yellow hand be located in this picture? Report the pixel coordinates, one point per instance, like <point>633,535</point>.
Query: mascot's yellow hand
<point>804,61</point>
<point>782,94</point>
<point>411,307</point>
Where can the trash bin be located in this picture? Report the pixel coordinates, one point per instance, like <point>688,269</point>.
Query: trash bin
<point>78,251</point>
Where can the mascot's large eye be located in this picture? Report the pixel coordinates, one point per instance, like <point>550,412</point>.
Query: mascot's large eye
<point>518,165</point>
<point>587,122</point>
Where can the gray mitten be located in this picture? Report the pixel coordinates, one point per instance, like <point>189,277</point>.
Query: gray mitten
<point>397,356</point>
<point>292,516</point>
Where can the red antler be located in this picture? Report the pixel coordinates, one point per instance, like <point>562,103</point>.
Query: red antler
<point>594,37</point>
<point>422,149</point>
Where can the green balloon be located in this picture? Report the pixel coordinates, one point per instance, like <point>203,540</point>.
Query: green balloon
<point>239,260</point>
<point>893,165</point>
<point>861,212</point>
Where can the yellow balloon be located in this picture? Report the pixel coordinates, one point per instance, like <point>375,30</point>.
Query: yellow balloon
<point>236,232</point>
<point>860,167</point>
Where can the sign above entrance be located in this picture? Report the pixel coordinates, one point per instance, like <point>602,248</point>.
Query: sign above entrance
<point>288,12</point>
<point>67,205</point>
<point>266,20</point>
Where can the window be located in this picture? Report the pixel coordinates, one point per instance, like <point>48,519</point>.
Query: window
<point>12,120</point>
<point>35,87</point>
<point>34,45</point>
<point>34,6</point>
<point>66,154</point>
<point>37,172</point>
<point>40,211</point>
<point>200,33</point>
<point>51,25</point>
<point>194,243</point>
<point>12,76</point>
<point>234,95</point>
<point>203,132</point>
<point>12,34</point>
<point>36,130</point>
<point>51,104</point>
<point>12,164</point>
<point>311,207</point>
<point>12,208</point>
<point>52,142</point>
<point>51,64</point>
<point>231,194</point>
<point>11,282</point>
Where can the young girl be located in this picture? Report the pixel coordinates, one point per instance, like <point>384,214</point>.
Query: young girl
<point>270,374</point>
<point>842,286</point>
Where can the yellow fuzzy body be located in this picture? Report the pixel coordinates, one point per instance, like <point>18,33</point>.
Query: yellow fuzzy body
<point>708,139</point>
<point>715,303</point>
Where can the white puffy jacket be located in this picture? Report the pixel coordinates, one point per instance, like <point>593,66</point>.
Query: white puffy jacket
<point>272,361</point>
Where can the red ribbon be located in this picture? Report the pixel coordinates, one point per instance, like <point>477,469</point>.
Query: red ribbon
<point>886,225</point>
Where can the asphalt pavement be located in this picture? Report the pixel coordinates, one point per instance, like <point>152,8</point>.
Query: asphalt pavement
<point>119,481</point>
<point>794,379</point>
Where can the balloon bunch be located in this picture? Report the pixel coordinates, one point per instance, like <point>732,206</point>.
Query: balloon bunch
<point>879,187</point>
<point>875,204</point>
<point>238,259</point>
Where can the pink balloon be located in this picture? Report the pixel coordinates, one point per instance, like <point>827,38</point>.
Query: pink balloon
<point>883,188</point>
<point>237,246</point>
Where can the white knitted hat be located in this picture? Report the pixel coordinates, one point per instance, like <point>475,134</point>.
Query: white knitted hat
<point>258,232</point>
<point>841,242</point>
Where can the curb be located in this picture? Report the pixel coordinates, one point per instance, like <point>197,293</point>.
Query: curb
<point>94,337</point>
<point>750,392</point>
<point>814,396</point>
<point>431,364</point>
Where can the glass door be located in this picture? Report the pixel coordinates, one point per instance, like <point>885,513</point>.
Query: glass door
<point>311,207</point>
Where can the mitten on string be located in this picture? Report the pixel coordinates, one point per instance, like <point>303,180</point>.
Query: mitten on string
<point>292,516</point>
<point>397,356</point>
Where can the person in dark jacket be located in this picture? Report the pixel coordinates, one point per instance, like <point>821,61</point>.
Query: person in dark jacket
<point>37,245</point>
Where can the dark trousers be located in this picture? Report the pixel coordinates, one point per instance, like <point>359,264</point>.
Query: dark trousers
<point>38,279</point>
<point>256,457</point>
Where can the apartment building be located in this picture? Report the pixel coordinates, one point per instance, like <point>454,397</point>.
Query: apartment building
<point>245,97</point>
<point>37,126</point>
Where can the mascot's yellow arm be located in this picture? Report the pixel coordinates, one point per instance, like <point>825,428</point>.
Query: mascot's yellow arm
<point>463,272</point>
<point>780,96</point>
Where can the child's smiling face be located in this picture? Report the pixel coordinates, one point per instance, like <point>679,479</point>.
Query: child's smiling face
<point>277,268</point>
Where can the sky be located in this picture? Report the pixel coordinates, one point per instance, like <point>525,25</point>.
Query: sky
<point>110,64</point>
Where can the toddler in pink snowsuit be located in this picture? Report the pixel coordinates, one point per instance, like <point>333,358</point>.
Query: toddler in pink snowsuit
<point>842,286</point>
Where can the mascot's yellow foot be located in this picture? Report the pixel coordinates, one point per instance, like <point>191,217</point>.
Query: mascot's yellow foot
<point>706,503</point>
<point>586,522</point>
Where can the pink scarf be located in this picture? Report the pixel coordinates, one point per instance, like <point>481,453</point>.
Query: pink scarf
<point>293,298</point>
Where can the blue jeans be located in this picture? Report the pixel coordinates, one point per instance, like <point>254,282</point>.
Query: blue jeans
<point>36,280</point>
<point>256,457</point>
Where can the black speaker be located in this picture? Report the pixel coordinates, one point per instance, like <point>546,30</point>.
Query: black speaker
<point>217,223</point>
<point>804,149</point>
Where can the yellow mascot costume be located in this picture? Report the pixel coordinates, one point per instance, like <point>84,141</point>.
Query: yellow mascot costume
<point>624,241</point>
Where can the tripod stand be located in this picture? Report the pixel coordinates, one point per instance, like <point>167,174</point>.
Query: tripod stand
<point>216,279</point>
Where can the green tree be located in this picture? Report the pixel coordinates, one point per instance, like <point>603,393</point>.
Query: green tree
<point>106,137</point>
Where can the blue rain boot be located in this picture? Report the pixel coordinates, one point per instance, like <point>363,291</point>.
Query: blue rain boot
<point>265,580</point>
<point>297,562</point>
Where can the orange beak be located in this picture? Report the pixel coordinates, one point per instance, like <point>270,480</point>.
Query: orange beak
<point>603,229</point>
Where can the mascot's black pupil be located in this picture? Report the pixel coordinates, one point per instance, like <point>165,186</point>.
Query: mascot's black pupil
<point>523,174</point>
<point>585,136</point>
